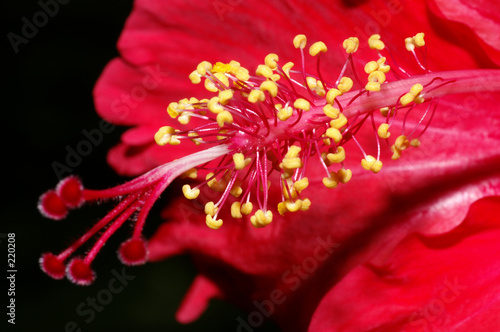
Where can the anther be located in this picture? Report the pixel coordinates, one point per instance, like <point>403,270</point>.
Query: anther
<point>213,223</point>
<point>300,41</point>
<point>190,193</point>
<point>345,84</point>
<point>317,47</point>
<point>331,111</point>
<point>270,60</point>
<point>337,157</point>
<point>301,103</point>
<point>375,43</point>
<point>383,131</point>
<point>371,164</point>
<point>351,45</point>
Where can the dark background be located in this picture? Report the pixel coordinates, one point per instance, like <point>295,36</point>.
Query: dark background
<point>46,104</point>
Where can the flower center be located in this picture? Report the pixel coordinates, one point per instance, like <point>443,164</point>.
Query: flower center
<point>276,121</point>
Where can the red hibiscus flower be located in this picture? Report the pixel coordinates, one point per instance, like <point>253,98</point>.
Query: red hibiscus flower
<point>412,247</point>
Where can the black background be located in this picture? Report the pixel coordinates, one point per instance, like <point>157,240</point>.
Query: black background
<point>46,104</point>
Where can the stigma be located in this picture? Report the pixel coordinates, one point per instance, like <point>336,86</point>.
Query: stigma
<point>261,129</point>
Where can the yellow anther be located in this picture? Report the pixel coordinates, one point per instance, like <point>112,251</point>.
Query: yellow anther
<point>345,84</point>
<point>223,79</point>
<point>371,164</point>
<point>236,191</point>
<point>292,163</point>
<point>376,76</point>
<point>255,96</point>
<point>270,87</point>
<point>196,139</point>
<point>224,117</point>
<point>301,184</point>
<point>190,173</point>
<point>214,184</point>
<point>270,60</point>
<point>384,111</point>
<point>406,99</point>
<point>331,95</point>
<point>246,208</point>
<point>164,135</point>
<point>383,131</point>
<point>415,142</point>
<point>372,86</point>
<point>210,86</point>
<point>263,70</point>
<point>332,181</point>
<point>300,41</point>
<point>285,113</point>
<point>220,67</point>
<point>311,82</point>
<point>213,223</point>
<point>236,210</point>
<point>339,122</point>
<point>203,67</point>
<point>293,206</point>
<point>320,89</point>
<point>306,204</point>
<point>289,191</point>
<point>235,65</point>
<point>302,104</point>
<point>242,74</point>
<point>410,46</point>
<point>396,153</point>
<point>287,67</point>
<point>371,66</point>
<point>382,66</point>
<point>351,44</point>
<point>239,161</point>
<point>190,193</point>
<point>225,96</point>
<point>282,208</point>
<point>337,157</point>
<point>210,209</point>
<point>401,143</point>
<point>261,218</point>
<point>418,39</point>
<point>344,175</point>
<point>195,77</point>
<point>172,110</point>
<point>331,111</point>
<point>293,151</point>
<point>416,89</point>
<point>214,106</point>
<point>316,48</point>
<point>334,134</point>
<point>375,43</point>
<point>184,118</point>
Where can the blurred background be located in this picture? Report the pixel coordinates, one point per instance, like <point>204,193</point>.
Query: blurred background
<point>49,74</point>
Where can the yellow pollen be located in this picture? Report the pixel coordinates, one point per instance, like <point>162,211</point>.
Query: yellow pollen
<point>396,153</point>
<point>190,193</point>
<point>270,87</point>
<point>331,111</point>
<point>164,135</point>
<point>371,66</point>
<point>263,70</point>
<point>375,43</point>
<point>382,66</point>
<point>212,223</point>
<point>332,181</point>
<point>224,117</point>
<point>285,113</point>
<point>210,86</point>
<point>371,164</point>
<point>236,191</point>
<point>383,131</point>
<point>215,185</point>
<point>287,67</point>
<point>242,74</point>
<point>384,111</point>
<point>293,206</point>
<point>337,157</point>
<point>225,96</point>
<point>351,45</point>
<point>236,210</point>
<point>376,76</point>
<point>410,46</point>
<point>261,218</point>
<point>301,103</point>
<point>203,67</point>
<point>418,39</point>
<point>292,163</point>
<point>210,209</point>
<point>316,48</point>
<point>344,175</point>
<point>239,161</point>
<point>416,89</point>
<point>372,86</point>
<point>214,106</point>
<point>270,60</point>
<point>331,95</point>
<point>184,117</point>
<point>401,142</point>
<point>306,204</point>
<point>345,84</point>
<point>190,173</point>
<point>172,110</point>
<point>301,184</point>
<point>334,134</point>
<point>246,208</point>
<point>300,41</point>
<point>415,142</point>
<point>293,151</point>
<point>195,77</point>
<point>339,122</point>
<point>255,96</point>
<point>282,208</point>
